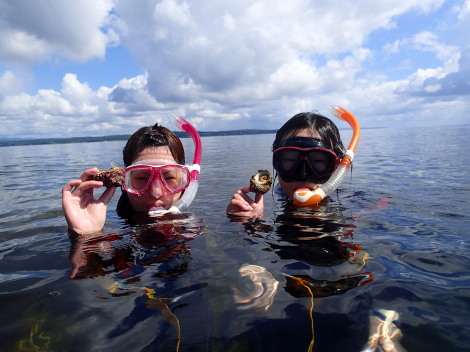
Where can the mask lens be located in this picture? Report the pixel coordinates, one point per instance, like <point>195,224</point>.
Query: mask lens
<point>137,179</point>
<point>287,159</point>
<point>174,178</point>
<point>312,164</point>
<point>322,162</point>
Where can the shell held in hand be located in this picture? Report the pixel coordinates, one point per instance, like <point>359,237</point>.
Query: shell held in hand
<point>261,181</point>
<point>113,177</point>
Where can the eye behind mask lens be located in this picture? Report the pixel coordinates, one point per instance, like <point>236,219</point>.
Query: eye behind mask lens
<point>304,159</point>
<point>299,163</point>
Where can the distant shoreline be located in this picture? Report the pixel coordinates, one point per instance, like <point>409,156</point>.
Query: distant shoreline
<point>42,141</point>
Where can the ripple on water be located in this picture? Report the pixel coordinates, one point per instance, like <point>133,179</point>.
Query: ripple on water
<point>439,263</point>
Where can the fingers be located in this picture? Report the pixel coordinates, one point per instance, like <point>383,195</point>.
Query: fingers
<point>241,202</point>
<point>239,208</point>
<point>79,187</point>
<point>241,199</point>
<point>107,195</point>
<point>259,199</point>
<point>70,185</point>
<point>88,173</point>
<point>257,202</point>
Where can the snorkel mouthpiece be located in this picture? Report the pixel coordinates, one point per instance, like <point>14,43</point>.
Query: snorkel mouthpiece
<point>195,169</point>
<point>304,197</point>
<point>158,211</point>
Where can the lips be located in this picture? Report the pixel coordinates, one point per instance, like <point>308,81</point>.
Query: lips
<point>156,206</point>
<point>156,209</point>
<point>310,186</point>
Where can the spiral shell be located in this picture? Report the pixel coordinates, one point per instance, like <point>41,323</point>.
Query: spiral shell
<point>261,181</point>
<point>113,177</point>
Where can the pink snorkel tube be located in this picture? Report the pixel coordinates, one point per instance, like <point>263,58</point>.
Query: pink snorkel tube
<point>195,169</point>
<point>190,192</point>
<point>304,197</point>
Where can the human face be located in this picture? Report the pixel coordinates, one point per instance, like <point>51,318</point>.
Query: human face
<point>320,162</point>
<point>304,158</point>
<point>155,195</point>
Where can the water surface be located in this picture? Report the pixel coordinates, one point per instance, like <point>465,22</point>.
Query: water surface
<point>394,237</point>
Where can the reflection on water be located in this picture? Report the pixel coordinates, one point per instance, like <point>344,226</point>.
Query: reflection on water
<point>305,286</point>
<point>384,334</point>
<point>162,245</point>
<point>391,243</point>
<point>262,289</point>
<point>312,239</point>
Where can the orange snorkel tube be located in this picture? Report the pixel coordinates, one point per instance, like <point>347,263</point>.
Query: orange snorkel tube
<point>304,197</point>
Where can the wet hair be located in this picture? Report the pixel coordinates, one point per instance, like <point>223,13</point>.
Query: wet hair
<point>313,122</point>
<point>153,136</point>
<point>147,137</point>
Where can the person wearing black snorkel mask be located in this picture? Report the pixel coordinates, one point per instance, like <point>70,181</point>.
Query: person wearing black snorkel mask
<point>313,244</point>
<point>306,151</point>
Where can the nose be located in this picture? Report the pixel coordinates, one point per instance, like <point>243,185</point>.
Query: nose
<point>156,188</point>
<point>302,169</point>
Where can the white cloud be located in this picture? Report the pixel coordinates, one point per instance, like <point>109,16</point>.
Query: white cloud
<point>231,64</point>
<point>447,54</point>
<point>33,31</point>
<point>79,94</point>
<point>10,84</point>
<point>463,11</point>
<point>21,46</point>
<point>173,12</point>
<point>452,84</point>
<point>392,48</point>
<point>198,51</point>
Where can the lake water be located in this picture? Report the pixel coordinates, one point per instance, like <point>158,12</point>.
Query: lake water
<point>394,238</point>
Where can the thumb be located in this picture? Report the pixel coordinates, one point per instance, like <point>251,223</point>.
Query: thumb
<point>107,195</point>
<point>259,198</point>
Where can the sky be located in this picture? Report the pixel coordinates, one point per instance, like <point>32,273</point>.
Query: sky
<point>106,67</point>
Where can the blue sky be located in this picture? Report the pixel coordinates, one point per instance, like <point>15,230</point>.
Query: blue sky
<point>100,67</point>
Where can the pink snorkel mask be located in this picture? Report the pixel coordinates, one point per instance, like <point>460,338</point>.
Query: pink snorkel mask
<point>195,169</point>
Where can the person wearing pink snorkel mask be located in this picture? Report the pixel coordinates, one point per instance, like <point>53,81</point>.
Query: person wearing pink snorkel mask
<point>306,152</point>
<point>156,181</point>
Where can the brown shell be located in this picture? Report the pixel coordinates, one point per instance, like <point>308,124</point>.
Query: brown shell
<point>261,181</point>
<point>113,177</point>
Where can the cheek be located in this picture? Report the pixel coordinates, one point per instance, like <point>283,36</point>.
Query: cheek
<point>140,203</point>
<point>290,192</point>
<point>176,197</point>
<point>135,200</point>
<point>287,187</point>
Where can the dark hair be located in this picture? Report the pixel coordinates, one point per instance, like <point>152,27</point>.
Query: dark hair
<point>147,137</point>
<point>153,136</point>
<point>313,122</point>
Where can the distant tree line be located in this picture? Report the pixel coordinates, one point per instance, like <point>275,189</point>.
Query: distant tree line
<point>123,137</point>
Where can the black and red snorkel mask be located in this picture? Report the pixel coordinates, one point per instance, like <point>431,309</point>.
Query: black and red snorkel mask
<point>305,159</point>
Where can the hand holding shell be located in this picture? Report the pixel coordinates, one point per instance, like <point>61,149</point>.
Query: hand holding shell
<point>113,177</point>
<point>261,182</point>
